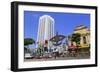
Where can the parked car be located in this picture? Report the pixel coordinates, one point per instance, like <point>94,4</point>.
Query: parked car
<point>28,56</point>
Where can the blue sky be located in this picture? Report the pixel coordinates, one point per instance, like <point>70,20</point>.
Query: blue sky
<point>64,22</point>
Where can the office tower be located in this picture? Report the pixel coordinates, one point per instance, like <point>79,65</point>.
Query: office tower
<point>45,30</point>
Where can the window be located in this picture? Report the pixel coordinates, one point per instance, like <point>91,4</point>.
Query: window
<point>84,39</point>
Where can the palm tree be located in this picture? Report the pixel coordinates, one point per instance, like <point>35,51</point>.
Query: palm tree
<point>57,39</point>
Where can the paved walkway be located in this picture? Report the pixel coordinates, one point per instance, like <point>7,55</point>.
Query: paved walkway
<point>59,58</point>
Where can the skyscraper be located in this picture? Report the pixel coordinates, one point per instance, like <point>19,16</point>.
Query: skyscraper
<point>45,30</point>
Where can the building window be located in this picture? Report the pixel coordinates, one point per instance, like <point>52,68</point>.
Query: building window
<point>84,39</point>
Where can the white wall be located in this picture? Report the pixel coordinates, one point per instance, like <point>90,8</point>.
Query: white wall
<point>5,35</point>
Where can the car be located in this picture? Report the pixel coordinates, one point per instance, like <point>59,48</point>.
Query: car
<point>28,56</point>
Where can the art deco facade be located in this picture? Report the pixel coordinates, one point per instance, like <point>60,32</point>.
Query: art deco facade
<point>45,30</point>
<point>85,36</point>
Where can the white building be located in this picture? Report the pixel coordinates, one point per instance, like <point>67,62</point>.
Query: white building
<point>45,30</point>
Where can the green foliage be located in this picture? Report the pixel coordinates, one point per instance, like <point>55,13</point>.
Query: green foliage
<point>64,46</point>
<point>76,38</point>
<point>28,41</point>
<point>40,49</point>
<point>57,39</point>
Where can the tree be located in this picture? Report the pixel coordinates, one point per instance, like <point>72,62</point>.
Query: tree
<point>50,45</point>
<point>64,47</point>
<point>40,49</point>
<point>76,38</point>
<point>57,39</point>
<point>28,41</point>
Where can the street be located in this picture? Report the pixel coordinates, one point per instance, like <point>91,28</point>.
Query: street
<point>85,56</point>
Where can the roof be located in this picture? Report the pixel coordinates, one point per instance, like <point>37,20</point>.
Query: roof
<point>79,27</point>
